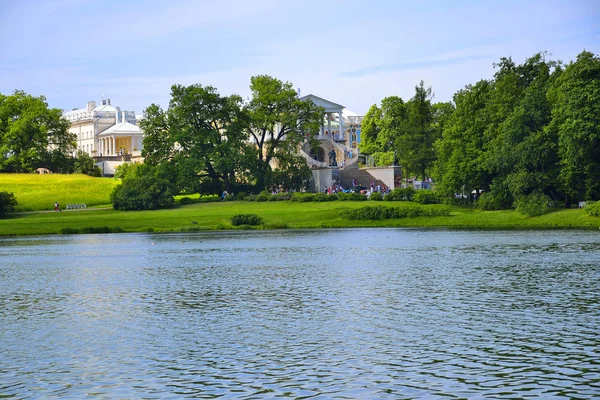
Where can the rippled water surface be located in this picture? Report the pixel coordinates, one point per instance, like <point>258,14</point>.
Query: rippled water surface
<point>386,313</point>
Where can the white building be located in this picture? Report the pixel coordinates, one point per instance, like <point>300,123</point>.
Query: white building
<point>339,124</point>
<point>105,131</point>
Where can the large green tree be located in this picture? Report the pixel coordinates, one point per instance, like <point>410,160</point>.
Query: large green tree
<point>371,126</point>
<point>201,135</point>
<point>32,135</point>
<point>460,164</point>
<point>522,154</point>
<point>575,99</point>
<point>415,143</point>
<point>279,123</point>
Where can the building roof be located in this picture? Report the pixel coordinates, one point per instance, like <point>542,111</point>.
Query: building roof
<point>122,129</point>
<point>329,106</point>
<point>105,107</point>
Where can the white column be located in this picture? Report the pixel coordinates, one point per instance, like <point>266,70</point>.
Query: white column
<point>342,132</point>
<point>329,123</point>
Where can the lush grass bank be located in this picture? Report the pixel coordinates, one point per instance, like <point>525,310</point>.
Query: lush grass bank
<point>279,215</point>
<point>39,192</point>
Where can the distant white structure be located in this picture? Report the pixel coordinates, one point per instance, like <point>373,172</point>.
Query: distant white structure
<point>97,133</point>
<point>106,133</point>
<point>339,124</point>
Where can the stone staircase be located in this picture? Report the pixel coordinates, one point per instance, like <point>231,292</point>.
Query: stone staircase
<point>363,177</point>
<point>344,150</point>
<point>312,163</point>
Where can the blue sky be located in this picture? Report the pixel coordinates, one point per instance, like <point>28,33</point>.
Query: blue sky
<point>352,52</point>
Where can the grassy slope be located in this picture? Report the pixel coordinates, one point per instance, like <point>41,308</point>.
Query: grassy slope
<point>39,192</point>
<point>283,215</point>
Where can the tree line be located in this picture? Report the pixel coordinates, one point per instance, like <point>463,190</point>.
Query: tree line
<point>33,135</point>
<point>531,133</point>
<point>208,143</point>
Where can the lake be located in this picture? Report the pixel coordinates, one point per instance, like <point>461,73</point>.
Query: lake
<point>357,313</point>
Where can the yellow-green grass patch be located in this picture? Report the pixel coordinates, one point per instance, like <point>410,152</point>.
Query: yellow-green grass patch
<point>35,192</point>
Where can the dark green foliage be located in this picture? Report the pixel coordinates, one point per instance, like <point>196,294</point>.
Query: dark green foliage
<point>383,212</point>
<point>84,164</point>
<point>280,196</point>
<point>533,205</point>
<point>278,122</point>
<point>122,170</point>
<point>593,208</point>
<point>400,194</point>
<point>241,196</point>
<point>303,197</point>
<point>8,202</point>
<point>33,135</point>
<point>383,159</point>
<point>185,200</point>
<point>456,201</point>
<point>312,197</point>
<point>490,201</point>
<point>144,188</point>
<point>534,128</point>
<point>351,197</point>
<point>425,197</point>
<point>376,196</point>
<point>246,219</point>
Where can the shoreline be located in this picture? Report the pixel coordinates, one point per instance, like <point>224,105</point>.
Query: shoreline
<point>214,217</point>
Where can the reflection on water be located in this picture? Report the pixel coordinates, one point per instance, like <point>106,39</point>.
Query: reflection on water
<point>384,313</point>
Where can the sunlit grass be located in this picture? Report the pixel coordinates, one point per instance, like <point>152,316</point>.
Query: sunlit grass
<point>279,215</point>
<point>39,192</point>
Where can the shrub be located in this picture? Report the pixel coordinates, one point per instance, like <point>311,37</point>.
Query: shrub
<point>376,196</point>
<point>321,197</point>
<point>84,164</point>
<point>533,204</point>
<point>8,202</point>
<point>593,208</point>
<point>241,196</point>
<point>122,170</point>
<point>246,219</point>
<point>383,212</point>
<point>488,201</point>
<point>400,194</point>
<point>351,196</point>
<point>303,197</point>
<point>263,196</point>
<point>425,197</point>
<point>456,201</point>
<point>185,200</point>
<point>146,189</point>
<point>229,197</point>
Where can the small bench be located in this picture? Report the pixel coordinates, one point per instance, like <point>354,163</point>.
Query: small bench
<point>75,206</point>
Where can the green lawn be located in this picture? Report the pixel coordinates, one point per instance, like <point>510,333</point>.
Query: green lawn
<point>279,215</point>
<point>39,192</point>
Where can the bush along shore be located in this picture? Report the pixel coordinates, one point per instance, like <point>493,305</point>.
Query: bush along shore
<point>226,215</point>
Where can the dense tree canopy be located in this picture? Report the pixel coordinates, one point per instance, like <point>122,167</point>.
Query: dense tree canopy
<point>279,123</point>
<point>216,143</point>
<point>33,135</point>
<point>201,135</point>
<point>532,132</point>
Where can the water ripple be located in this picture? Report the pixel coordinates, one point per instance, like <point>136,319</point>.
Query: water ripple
<point>386,313</point>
